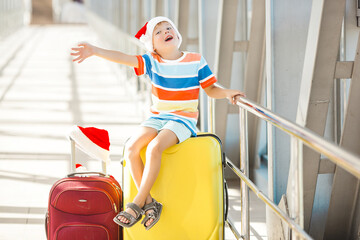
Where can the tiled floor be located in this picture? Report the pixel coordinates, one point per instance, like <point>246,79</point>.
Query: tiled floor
<point>42,94</point>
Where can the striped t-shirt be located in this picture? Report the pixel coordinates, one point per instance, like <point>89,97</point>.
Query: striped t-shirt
<point>176,85</point>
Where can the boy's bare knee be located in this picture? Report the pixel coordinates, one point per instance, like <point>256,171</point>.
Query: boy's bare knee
<point>153,150</point>
<point>131,151</point>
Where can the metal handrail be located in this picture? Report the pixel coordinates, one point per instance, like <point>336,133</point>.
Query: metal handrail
<point>339,156</point>
<point>267,201</point>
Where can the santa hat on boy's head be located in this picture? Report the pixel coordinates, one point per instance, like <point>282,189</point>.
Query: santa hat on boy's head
<point>146,32</point>
<point>93,141</point>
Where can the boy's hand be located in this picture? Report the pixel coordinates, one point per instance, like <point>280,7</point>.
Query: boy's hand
<point>234,96</point>
<point>218,92</point>
<point>84,51</point>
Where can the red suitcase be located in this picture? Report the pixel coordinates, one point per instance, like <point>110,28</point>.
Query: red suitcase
<point>84,207</point>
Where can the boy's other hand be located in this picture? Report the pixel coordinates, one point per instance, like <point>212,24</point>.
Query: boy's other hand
<point>234,96</point>
<point>83,51</point>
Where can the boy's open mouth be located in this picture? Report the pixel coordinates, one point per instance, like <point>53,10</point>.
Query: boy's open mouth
<point>168,38</point>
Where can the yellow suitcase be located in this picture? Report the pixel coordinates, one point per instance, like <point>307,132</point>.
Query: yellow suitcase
<point>190,186</point>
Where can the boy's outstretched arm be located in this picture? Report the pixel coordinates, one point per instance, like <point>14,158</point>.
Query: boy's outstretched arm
<point>85,50</point>
<point>219,92</point>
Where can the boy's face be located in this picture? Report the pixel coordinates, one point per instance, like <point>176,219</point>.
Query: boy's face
<point>164,36</point>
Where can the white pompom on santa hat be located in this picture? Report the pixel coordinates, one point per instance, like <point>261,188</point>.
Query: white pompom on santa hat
<point>146,32</point>
<point>93,141</point>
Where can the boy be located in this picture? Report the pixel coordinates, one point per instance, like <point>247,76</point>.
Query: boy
<point>176,78</point>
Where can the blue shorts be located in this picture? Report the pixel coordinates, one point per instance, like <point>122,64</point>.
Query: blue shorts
<point>181,131</point>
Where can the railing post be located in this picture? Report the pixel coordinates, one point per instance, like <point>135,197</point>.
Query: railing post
<point>296,171</point>
<point>211,115</point>
<point>300,183</point>
<point>244,167</point>
<point>269,91</point>
<point>73,151</point>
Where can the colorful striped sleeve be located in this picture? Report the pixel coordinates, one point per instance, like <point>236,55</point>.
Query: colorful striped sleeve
<point>140,69</point>
<point>144,65</point>
<point>205,76</point>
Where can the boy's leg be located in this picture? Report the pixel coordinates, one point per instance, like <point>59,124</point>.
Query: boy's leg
<point>165,139</point>
<point>170,134</point>
<point>136,143</point>
<point>132,153</point>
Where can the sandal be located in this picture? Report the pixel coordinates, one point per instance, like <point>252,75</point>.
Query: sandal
<point>155,215</point>
<point>132,220</point>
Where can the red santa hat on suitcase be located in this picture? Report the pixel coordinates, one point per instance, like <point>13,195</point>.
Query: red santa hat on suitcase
<point>146,32</point>
<point>93,141</point>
